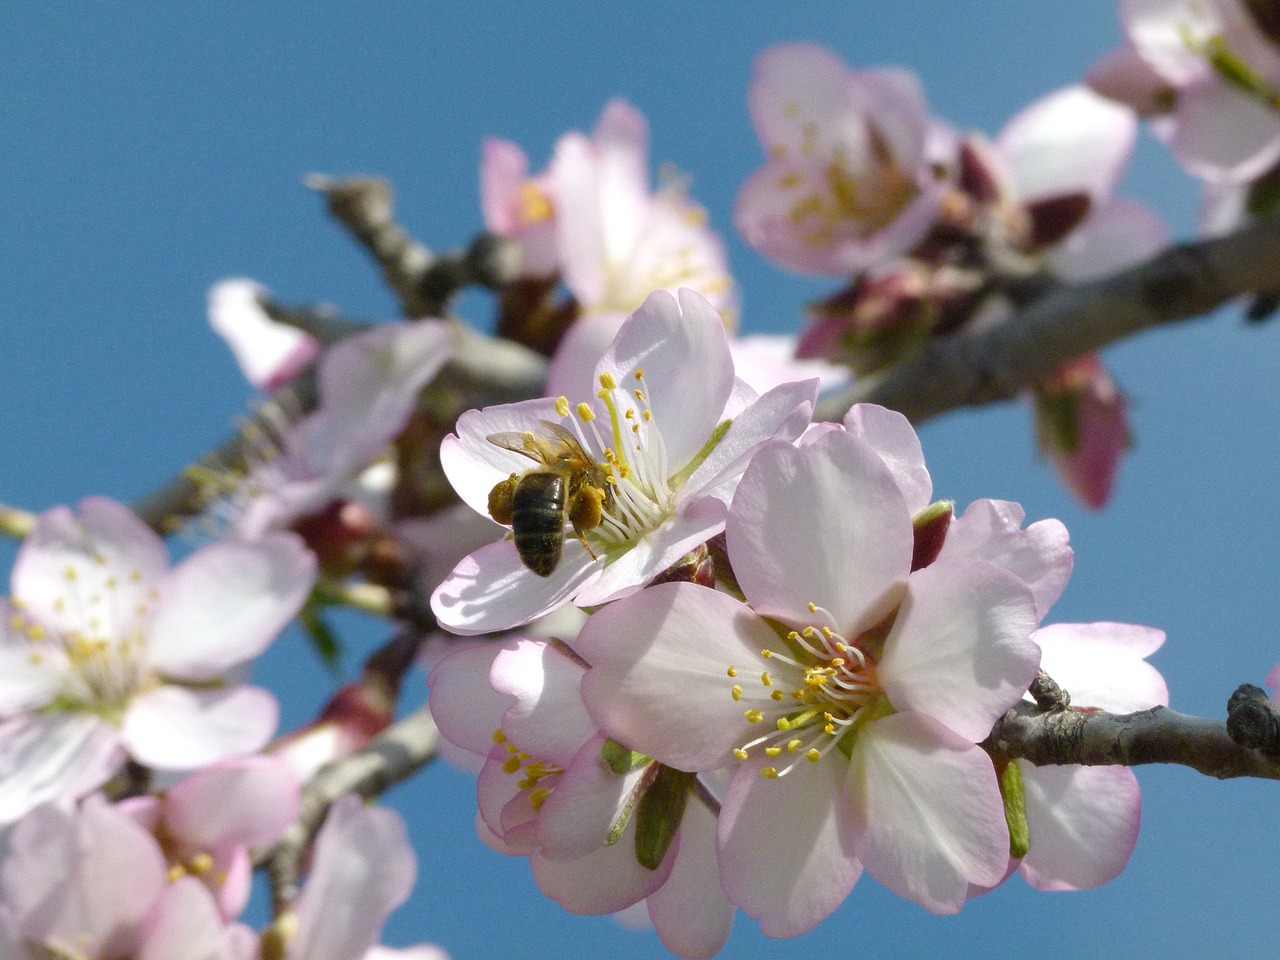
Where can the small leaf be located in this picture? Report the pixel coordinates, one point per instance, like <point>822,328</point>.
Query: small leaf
<point>622,760</point>
<point>660,813</point>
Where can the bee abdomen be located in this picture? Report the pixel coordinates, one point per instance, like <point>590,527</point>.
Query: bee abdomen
<point>537,520</point>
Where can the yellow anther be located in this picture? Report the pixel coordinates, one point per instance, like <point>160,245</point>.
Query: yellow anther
<point>607,381</point>
<point>793,636</point>
<point>562,406</point>
<point>813,608</point>
<point>630,414</point>
<point>640,374</point>
<point>732,671</point>
<point>512,765</point>
<point>828,632</point>
<point>740,753</point>
<point>772,752</point>
<point>585,413</point>
<point>640,395</point>
<point>499,737</point>
<point>766,679</point>
<point>539,797</point>
<point>766,653</point>
<point>829,729</point>
<point>777,695</point>
<point>837,662</point>
<point>769,773</point>
<point>736,692</point>
<point>793,745</point>
<point>754,716</point>
<point>647,416</point>
<point>842,647</point>
<point>813,755</point>
<point>37,633</point>
<point>808,633</point>
<point>176,873</point>
<point>784,723</point>
<point>200,864</point>
<point>71,574</point>
<point>100,559</point>
<point>35,658</point>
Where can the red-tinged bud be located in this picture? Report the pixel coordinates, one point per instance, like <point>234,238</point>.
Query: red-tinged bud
<point>930,526</point>
<point>1083,428</point>
<point>1052,218</point>
<point>339,536</point>
<point>694,567</point>
<point>981,173</point>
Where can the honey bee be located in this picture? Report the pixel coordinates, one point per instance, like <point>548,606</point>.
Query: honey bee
<point>567,486</point>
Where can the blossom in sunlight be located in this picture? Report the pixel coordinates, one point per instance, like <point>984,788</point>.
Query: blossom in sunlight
<point>208,823</point>
<point>1083,428</point>
<point>1083,821</point>
<point>646,469</point>
<point>849,181</point>
<point>368,387</point>
<point>270,353</point>
<point>107,652</point>
<point>1212,67</point>
<point>363,867</point>
<point>90,883</point>
<point>548,791</point>
<point>850,689</point>
<point>518,206</point>
<point>619,240</point>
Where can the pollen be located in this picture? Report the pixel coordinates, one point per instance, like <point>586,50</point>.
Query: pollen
<point>585,413</point>
<point>754,716</point>
<point>608,382</point>
<point>736,692</point>
<point>733,671</point>
<point>499,737</point>
<point>562,406</point>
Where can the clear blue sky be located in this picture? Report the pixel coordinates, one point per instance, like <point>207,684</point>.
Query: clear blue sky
<point>147,151</point>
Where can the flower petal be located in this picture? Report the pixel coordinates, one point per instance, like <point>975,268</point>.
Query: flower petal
<point>226,603</point>
<point>246,802</point>
<point>1039,556</point>
<point>658,680</point>
<point>855,568</point>
<point>926,811</point>
<point>786,846</point>
<point>607,880</point>
<point>891,435</point>
<point>691,912</point>
<point>493,590</point>
<point>54,756</point>
<point>1223,134</point>
<point>1101,664</point>
<point>185,925</point>
<point>1083,822</point>
<point>269,353</point>
<point>960,650</point>
<point>463,703</point>
<point>587,800</point>
<point>548,719</point>
<point>176,728</point>
<point>1120,234</point>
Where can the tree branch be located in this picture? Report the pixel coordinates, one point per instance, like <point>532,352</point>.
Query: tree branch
<point>401,751</point>
<point>1068,322</point>
<point>1097,738</point>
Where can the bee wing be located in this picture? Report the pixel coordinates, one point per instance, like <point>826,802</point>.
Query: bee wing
<point>565,446</point>
<point>519,441</point>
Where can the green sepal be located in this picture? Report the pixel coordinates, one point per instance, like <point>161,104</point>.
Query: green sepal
<point>622,760</point>
<point>631,804</point>
<point>658,818</point>
<point>1058,420</point>
<point>1015,807</point>
<point>323,640</point>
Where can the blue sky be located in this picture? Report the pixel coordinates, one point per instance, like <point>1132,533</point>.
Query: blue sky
<point>148,151</point>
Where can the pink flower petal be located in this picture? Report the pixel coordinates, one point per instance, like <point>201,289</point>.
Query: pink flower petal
<point>492,590</point>
<point>572,369</point>
<point>101,550</point>
<point>1072,141</point>
<point>856,568</point>
<point>606,880</point>
<point>548,719</point>
<point>463,703</point>
<point>269,353</point>
<point>926,811</point>
<point>245,802</point>
<point>691,912</point>
<point>891,435</point>
<point>54,756</point>
<point>185,925</point>
<point>659,680</point>
<point>1223,134</point>
<point>1120,234</point>
<point>362,869</point>
<point>991,530</point>
<point>1101,664</point>
<point>226,603</point>
<point>960,650</point>
<point>587,800</point>
<point>1083,822</point>
<point>175,728</point>
<point>786,846</point>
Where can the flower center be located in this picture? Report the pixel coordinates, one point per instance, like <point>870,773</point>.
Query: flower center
<point>819,691</point>
<point>100,664</point>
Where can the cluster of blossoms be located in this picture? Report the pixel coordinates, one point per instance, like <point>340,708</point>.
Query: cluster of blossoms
<point>791,659</point>
<point>706,654</point>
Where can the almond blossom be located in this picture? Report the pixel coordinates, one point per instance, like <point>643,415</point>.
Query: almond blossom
<point>851,687</point>
<point>270,353</point>
<point>107,652</point>
<point>368,387</point>
<point>90,883</point>
<point>668,435</point>
<point>547,791</point>
<point>849,182</point>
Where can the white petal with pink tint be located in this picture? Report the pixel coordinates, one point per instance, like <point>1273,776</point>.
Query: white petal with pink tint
<point>1083,823</point>
<point>547,719</point>
<point>247,801</point>
<point>891,435</point>
<point>54,756</point>
<point>185,925</point>
<point>1223,134</point>
<point>269,353</point>
<point>856,568</point>
<point>604,881</point>
<point>926,811</point>
<point>1102,664</point>
<point>1120,234</point>
<point>226,603</point>
<point>176,728</point>
<point>690,911</point>
<point>463,703</point>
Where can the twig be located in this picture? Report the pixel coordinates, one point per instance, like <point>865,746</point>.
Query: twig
<point>1185,281</point>
<point>401,751</point>
<point>1097,738</point>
